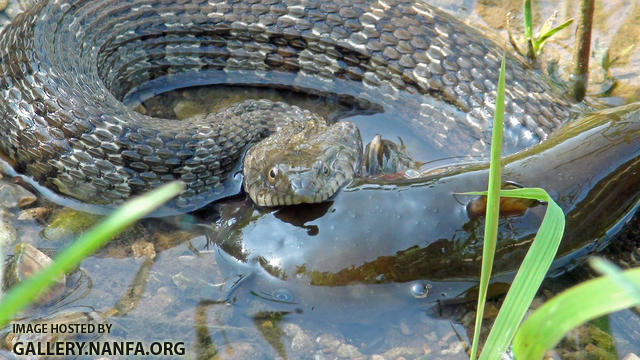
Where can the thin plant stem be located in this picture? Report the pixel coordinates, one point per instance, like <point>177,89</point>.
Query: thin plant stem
<point>580,73</point>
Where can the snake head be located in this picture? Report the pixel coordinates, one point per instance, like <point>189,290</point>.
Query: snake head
<point>304,162</point>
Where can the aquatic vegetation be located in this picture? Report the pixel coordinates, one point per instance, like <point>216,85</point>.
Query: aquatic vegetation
<point>606,62</point>
<point>536,263</point>
<point>547,325</point>
<point>535,44</point>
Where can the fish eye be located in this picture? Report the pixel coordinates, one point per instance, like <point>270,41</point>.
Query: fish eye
<point>325,170</point>
<point>272,174</point>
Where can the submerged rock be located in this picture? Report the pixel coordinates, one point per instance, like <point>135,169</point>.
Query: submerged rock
<point>587,342</point>
<point>8,234</point>
<point>27,261</point>
<point>67,223</point>
<point>36,213</point>
<point>403,351</point>
<point>186,109</point>
<point>348,351</point>
<point>13,196</point>
<point>143,249</point>
<point>301,343</point>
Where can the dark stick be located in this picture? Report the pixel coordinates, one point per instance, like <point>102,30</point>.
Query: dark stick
<point>580,74</point>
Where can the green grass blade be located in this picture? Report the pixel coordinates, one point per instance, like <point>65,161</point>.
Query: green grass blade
<point>608,62</point>
<point>528,23</point>
<point>547,25</point>
<point>26,292</point>
<point>532,271</point>
<point>606,267</point>
<point>528,28</point>
<point>539,43</point>
<point>493,207</point>
<point>589,300</point>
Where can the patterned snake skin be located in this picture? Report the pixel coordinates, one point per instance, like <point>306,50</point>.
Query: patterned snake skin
<point>66,66</point>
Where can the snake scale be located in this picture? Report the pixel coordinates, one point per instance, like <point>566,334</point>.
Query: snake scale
<point>66,66</point>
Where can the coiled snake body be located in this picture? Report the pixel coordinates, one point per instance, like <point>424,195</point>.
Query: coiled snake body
<point>65,67</point>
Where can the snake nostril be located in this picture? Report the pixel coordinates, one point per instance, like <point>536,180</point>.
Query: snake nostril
<point>303,188</point>
<point>295,184</point>
<point>300,184</point>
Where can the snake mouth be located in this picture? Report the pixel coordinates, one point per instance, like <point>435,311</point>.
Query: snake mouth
<point>263,197</point>
<point>267,199</point>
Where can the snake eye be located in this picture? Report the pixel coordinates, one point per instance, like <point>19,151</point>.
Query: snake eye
<point>325,170</point>
<point>272,174</point>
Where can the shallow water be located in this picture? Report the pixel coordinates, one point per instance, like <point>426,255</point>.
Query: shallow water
<point>168,282</point>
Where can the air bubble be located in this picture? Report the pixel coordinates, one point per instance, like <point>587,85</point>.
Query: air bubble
<point>282,294</point>
<point>420,290</point>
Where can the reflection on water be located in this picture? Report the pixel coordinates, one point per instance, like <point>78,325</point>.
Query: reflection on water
<point>378,116</point>
<point>177,280</point>
<point>331,278</point>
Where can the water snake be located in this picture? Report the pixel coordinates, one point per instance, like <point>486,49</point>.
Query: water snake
<point>66,66</point>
